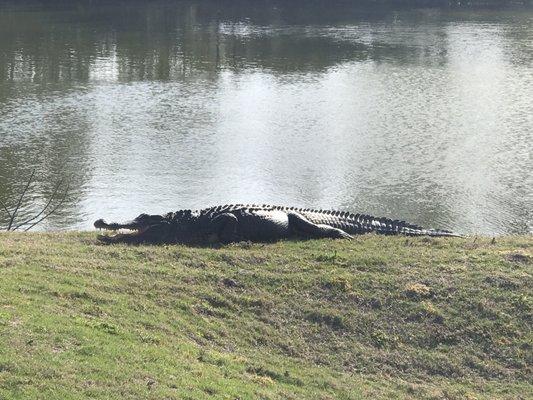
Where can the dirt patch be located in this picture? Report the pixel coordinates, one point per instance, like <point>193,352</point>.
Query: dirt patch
<point>519,258</point>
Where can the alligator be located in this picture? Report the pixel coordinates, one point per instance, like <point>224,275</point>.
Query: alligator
<point>255,223</point>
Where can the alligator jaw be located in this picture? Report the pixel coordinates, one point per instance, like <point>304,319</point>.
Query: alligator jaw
<point>133,231</point>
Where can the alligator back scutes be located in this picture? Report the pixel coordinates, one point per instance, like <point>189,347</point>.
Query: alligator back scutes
<point>365,222</point>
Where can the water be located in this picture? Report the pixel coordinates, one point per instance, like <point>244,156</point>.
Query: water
<point>419,114</point>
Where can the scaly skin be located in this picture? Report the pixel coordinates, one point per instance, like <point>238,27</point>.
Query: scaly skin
<point>237,222</point>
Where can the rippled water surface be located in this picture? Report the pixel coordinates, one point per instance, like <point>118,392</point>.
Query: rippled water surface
<point>424,115</point>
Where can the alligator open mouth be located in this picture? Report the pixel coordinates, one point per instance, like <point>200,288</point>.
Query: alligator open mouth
<point>119,232</point>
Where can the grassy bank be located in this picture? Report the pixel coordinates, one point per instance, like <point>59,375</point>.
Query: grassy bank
<point>377,317</point>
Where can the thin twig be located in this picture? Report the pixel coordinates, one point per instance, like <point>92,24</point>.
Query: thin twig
<point>51,211</point>
<point>5,208</point>
<point>20,201</point>
<point>45,207</point>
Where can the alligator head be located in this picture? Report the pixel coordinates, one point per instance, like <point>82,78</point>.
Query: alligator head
<point>143,229</point>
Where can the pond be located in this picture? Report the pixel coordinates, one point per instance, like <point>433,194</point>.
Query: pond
<point>417,114</point>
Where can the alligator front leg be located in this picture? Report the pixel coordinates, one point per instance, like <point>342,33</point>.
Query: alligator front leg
<point>299,224</point>
<point>225,227</point>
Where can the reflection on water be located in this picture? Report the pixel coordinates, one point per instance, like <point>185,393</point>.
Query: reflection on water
<point>424,115</point>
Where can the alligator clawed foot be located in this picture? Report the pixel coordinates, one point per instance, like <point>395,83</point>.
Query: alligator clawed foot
<point>340,234</point>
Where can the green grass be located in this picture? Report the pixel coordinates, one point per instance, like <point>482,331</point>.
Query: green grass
<point>377,317</point>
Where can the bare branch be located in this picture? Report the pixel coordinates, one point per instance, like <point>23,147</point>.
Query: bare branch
<point>7,211</point>
<point>5,208</point>
<point>56,189</point>
<point>20,201</point>
<point>52,210</point>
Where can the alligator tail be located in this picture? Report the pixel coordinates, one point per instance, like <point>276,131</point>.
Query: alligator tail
<point>386,226</point>
<point>428,232</point>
